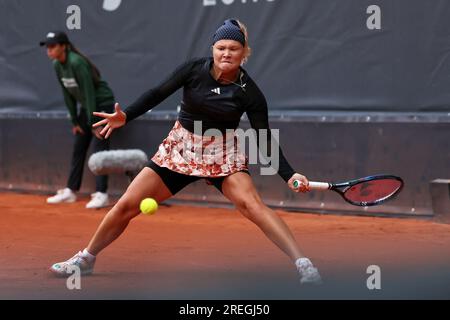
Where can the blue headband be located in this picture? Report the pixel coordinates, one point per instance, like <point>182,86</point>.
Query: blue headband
<point>229,30</point>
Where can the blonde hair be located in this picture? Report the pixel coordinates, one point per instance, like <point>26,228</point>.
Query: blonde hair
<point>247,49</point>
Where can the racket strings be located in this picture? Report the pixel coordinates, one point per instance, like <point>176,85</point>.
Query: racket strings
<point>375,191</point>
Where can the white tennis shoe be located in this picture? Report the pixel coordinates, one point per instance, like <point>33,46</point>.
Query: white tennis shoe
<point>66,268</point>
<point>63,195</point>
<point>308,273</point>
<point>98,200</point>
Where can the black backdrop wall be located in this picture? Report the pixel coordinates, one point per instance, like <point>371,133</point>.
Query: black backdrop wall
<point>308,54</point>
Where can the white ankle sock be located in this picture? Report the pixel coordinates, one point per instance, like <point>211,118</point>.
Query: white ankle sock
<point>86,254</point>
<point>303,262</point>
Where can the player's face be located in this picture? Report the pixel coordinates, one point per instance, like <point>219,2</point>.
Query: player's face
<point>228,55</point>
<point>55,51</point>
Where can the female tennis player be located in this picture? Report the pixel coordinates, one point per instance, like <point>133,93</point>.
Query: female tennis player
<point>216,91</point>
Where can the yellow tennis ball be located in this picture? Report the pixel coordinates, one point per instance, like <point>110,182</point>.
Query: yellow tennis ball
<point>148,206</point>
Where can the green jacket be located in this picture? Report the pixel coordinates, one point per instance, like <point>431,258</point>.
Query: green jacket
<point>76,79</point>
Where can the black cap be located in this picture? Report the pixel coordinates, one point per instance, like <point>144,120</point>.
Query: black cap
<point>54,37</point>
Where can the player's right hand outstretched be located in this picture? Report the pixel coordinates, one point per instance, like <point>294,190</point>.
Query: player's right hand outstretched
<point>111,121</point>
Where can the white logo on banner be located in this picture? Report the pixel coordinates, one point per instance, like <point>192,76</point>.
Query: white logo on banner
<point>111,5</point>
<point>207,3</point>
<point>74,20</point>
<point>374,21</point>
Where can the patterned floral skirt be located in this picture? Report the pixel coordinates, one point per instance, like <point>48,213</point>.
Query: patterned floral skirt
<point>203,156</point>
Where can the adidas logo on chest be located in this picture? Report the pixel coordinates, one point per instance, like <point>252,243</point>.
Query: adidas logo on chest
<point>216,90</point>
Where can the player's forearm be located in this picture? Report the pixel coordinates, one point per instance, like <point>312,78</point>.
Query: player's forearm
<point>144,103</point>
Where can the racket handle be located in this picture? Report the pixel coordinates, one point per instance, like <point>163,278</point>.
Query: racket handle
<point>313,185</point>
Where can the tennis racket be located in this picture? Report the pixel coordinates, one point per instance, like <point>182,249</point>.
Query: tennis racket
<point>364,192</point>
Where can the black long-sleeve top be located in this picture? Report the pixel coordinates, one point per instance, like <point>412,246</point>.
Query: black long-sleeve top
<point>218,106</point>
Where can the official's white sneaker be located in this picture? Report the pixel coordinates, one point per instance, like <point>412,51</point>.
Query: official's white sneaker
<point>66,268</point>
<point>63,195</point>
<point>308,273</point>
<point>98,200</point>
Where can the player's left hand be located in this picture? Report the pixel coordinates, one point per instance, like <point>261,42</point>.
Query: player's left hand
<point>304,183</point>
<point>111,121</point>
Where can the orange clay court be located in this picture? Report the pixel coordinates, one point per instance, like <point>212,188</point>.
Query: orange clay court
<point>185,252</point>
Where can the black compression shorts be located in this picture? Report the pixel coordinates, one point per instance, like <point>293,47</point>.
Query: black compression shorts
<point>175,181</point>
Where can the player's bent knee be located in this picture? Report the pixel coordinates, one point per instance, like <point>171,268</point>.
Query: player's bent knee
<point>127,209</point>
<point>251,208</point>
